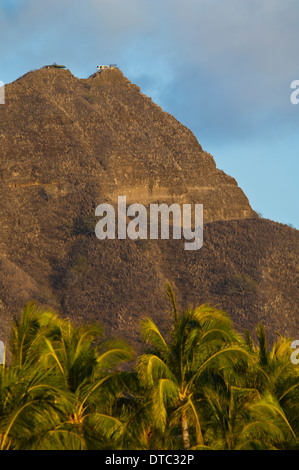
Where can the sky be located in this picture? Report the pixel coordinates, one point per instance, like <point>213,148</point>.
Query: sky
<point>223,68</point>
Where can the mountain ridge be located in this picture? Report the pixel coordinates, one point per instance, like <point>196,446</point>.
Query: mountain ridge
<point>69,144</point>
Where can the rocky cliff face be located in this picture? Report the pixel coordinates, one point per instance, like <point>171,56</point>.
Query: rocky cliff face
<point>67,145</point>
<point>61,135</point>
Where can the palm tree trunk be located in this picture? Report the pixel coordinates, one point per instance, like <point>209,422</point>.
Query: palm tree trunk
<point>185,431</point>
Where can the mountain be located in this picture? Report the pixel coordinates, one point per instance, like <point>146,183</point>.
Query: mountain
<point>69,144</point>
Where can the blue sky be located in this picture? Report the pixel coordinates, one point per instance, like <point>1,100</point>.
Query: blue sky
<point>221,67</point>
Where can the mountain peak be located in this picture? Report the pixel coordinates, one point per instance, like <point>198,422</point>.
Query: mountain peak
<point>70,144</point>
<point>102,132</point>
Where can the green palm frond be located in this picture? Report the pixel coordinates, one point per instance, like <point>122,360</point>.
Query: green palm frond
<point>165,394</point>
<point>153,336</point>
<point>113,352</point>
<point>171,297</point>
<point>151,368</point>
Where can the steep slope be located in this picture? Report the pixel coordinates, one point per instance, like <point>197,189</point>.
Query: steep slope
<point>61,135</point>
<point>67,145</point>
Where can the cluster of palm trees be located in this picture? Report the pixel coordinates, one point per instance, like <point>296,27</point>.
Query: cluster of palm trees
<point>202,387</point>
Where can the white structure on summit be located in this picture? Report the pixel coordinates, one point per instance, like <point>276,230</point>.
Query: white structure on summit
<point>105,67</point>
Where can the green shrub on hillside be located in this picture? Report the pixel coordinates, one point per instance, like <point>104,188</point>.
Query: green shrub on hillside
<point>240,284</point>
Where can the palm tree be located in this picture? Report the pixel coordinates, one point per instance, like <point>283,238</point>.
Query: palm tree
<point>174,371</point>
<point>29,332</point>
<point>201,386</point>
<point>96,412</point>
<point>280,382</point>
<point>30,396</point>
<point>237,418</point>
<point>62,383</point>
<point>32,405</point>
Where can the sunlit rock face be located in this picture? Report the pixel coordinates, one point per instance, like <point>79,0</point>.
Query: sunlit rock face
<point>68,145</point>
